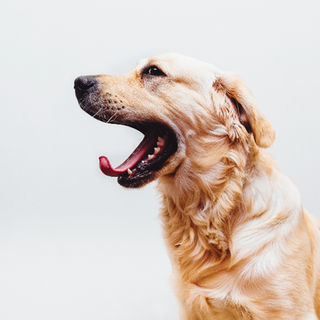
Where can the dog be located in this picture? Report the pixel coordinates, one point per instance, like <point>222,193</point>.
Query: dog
<point>240,242</point>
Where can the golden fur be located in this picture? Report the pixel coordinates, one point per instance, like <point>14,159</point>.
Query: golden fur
<point>240,242</point>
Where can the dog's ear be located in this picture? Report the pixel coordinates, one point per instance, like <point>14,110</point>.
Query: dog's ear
<point>239,96</point>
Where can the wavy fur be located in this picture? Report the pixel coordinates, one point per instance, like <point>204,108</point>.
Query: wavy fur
<point>240,242</point>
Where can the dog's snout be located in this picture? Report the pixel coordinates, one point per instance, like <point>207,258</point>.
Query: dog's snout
<point>84,84</point>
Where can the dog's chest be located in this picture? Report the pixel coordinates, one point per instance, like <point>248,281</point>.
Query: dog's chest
<point>227,309</point>
<point>218,297</point>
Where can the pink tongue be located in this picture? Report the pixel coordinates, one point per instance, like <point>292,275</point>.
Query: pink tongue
<point>146,144</point>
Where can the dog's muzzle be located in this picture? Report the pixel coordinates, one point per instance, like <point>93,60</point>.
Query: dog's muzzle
<point>84,85</point>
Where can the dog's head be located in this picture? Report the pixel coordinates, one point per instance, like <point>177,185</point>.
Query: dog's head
<point>189,111</point>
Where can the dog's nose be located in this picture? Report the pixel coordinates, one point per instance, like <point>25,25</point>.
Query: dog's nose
<point>84,84</point>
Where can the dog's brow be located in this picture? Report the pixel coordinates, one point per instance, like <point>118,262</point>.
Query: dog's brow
<point>141,63</point>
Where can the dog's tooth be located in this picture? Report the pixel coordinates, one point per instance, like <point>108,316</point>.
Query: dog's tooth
<point>129,172</point>
<point>143,161</point>
<point>160,142</point>
<point>156,150</point>
<point>151,156</point>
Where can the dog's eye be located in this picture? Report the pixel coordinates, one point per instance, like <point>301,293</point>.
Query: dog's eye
<point>153,71</point>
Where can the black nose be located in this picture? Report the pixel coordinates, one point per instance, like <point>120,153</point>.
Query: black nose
<point>84,84</point>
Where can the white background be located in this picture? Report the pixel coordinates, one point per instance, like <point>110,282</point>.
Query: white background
<point>74,244</point>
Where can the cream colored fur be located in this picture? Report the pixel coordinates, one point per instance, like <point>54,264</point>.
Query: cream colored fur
<point>240,242</point>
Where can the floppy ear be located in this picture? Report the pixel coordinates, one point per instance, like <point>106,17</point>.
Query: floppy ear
<point>249,115</point>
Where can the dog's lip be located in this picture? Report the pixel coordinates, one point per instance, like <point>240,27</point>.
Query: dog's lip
<point>152,152</point>
<point>137,155</point>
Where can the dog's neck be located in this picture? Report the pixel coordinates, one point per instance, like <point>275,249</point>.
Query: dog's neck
<point>198,211</point>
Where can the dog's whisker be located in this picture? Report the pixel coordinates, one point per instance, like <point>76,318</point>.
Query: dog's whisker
<point>112,117</point>
<point>97,113</point>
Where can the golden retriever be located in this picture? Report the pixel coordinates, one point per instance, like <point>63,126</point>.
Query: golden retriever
<point>240,242</point>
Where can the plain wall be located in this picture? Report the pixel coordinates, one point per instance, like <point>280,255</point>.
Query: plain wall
<point>73,243</point>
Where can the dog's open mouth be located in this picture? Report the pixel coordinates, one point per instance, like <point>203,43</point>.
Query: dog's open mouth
<point>150,156</point>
